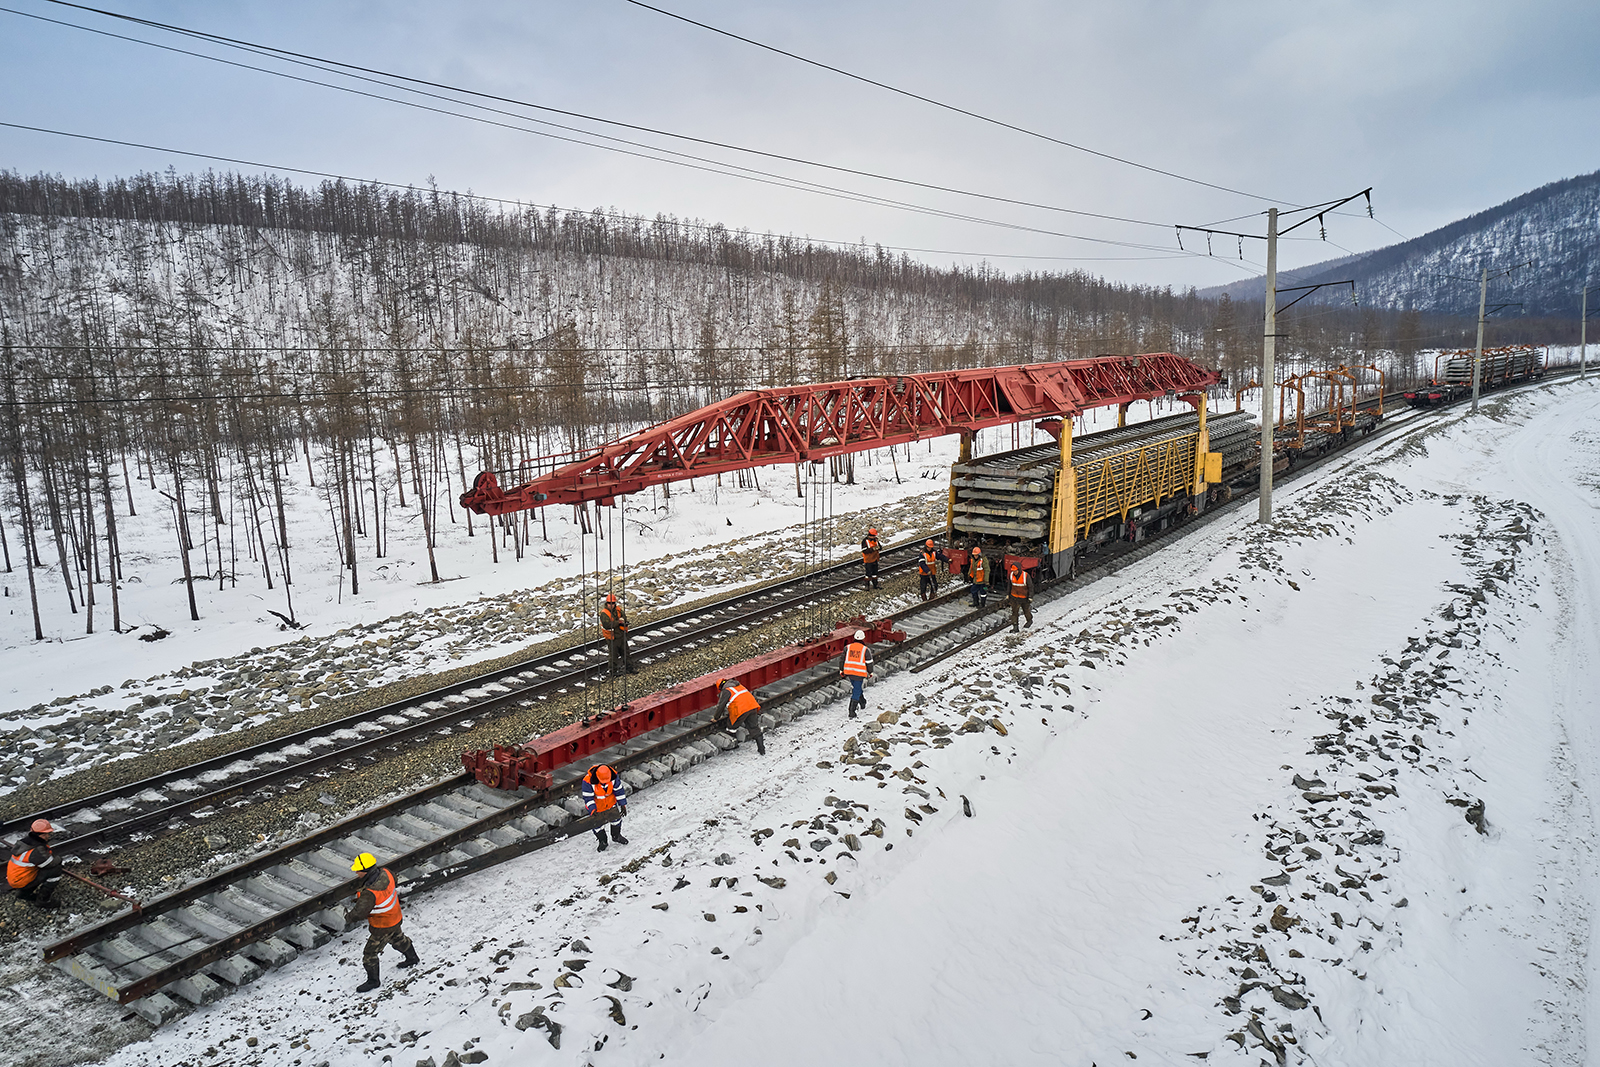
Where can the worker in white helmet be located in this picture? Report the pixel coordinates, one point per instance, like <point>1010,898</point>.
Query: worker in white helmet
<point>856,665</point>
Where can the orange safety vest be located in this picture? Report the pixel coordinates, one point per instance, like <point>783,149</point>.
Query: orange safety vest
<point>869,550</point>
<point>929,564</point>
<point>855,661</point>
<point>608,620</point>
<point>386,912</point>
<point>740,703</point>
<point>1019,584</point>
<point>21,871</point>
<point>980,570</point>
<point>605,793</point>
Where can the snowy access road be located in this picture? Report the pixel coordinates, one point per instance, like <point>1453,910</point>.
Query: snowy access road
<point>1319,793</point>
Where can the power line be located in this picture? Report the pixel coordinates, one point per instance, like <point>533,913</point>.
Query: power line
<point>326,65</point>
<point>521,205</point>
<point>947,107</point>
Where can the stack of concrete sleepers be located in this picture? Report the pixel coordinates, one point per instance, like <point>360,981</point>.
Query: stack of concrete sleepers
<point>1009,495</point>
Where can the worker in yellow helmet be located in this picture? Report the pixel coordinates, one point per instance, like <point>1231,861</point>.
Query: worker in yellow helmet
<point>378,902</point>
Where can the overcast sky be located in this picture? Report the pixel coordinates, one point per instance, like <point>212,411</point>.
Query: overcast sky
<point>1445,108</point>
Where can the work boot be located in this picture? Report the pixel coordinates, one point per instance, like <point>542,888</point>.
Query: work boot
<point>372,979</point>
<point>601,837</point>
<point>616,834</point>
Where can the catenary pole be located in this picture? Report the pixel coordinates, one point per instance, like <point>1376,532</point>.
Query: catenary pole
<point>1268,342</point>
<point>1583,337</point>
<point>1477,355</point>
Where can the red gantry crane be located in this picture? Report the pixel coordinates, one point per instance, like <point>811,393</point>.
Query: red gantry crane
<point>812,422</point>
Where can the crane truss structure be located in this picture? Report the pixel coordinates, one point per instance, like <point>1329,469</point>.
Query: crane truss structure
<point>813,422</point>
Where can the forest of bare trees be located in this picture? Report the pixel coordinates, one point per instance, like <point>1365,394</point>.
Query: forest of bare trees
<point>216,336</point>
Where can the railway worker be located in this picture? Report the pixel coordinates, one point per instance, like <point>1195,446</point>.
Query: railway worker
<point>739,705</point>
<point>928,569</point>
<point>606,794</point>
<point>870,551</point>
<point>1021,595</point>
<point>856,665</point>
<point>977,572</point>
<point>614,628</point>
<point>33,870</point>
<point>378,902</point>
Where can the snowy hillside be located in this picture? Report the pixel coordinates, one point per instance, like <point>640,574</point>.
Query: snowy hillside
<point>1552,227</point>
<point>1315,793</point>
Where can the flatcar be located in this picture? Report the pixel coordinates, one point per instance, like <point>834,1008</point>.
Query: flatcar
<point>1452,373</point>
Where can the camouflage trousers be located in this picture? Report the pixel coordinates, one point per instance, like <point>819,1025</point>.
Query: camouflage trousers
<point>379,936</point>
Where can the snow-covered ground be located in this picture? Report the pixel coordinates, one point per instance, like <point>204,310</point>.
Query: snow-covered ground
<point>1319,793</point>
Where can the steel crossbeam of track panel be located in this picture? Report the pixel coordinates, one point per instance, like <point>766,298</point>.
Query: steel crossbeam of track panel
<point>531,765</point>
<point>814,422</point>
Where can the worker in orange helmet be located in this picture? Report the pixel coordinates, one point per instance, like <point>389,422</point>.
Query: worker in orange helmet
<point>1021,595</point>
<point>614,629</point>
<point>33,870</point>
<point>856,665</point>
<point>378,902</point>
<point>928,569</point>
<point>870,551</point>
<point>606,794</point>
<point>741,708</point>
<point>977,572</point>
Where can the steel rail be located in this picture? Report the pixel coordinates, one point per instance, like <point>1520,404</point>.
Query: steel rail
<point>717,621</point>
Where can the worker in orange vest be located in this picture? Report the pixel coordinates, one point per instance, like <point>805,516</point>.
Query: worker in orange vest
<point>856,665</point>
<point>605,793</point>
<point>870,551</point>
<point>928,569</point>
<point>739,705</point>
<point>614,628</point>
<point>378,902</point>
<point>977,572</point>
<point>33,870</point>
<point>1021,595</point>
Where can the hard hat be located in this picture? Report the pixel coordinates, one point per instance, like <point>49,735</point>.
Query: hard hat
<point>611,598</point>
<point>364,862</point>
<point>977,549</point>
<point>42,826</point>
<point>872,530</point>
<point>928,542</point>
<point>860,635</point>
<point>602,773</point>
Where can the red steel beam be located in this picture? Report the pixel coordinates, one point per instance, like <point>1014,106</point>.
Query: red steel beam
<point>813,422</point>
<point>532,763</point>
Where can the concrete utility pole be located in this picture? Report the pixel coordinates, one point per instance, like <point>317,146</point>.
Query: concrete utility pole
<point>1268,341</point>
<point>1477,356</point>
<point>1583,338</point>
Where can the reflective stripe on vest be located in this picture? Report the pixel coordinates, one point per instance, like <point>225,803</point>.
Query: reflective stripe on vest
<point>741,702</point>
<point>1019,584</point>
<point>855,661</point>
<point>20,872</point>
<point>869,550</point>
<point>980,570</point>
<point>386,912</point>
<point>605,794</point>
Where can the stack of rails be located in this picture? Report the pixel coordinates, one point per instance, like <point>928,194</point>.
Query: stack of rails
<point>1008,495</point>
<point>1319,438</point>
<point>1500,366</point>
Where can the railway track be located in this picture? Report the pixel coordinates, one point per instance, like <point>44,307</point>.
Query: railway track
<point>187,796</point>
<point>194,945</point>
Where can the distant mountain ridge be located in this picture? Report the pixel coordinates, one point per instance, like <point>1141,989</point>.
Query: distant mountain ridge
<point>1556,226</point>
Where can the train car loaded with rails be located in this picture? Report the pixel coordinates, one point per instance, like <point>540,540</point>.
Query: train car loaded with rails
<point>1452,373</point>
